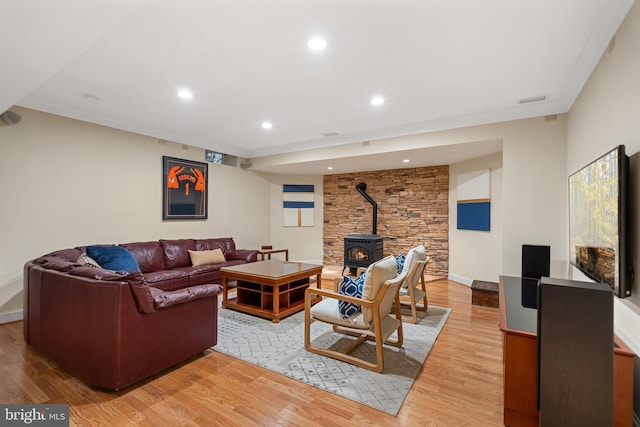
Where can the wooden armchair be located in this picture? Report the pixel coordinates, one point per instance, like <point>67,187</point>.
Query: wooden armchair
<point>414,286</point>
<point>379,318</point>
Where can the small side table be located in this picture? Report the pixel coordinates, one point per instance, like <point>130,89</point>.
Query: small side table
<point>268,252</point>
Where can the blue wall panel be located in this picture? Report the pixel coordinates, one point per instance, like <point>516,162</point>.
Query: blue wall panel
<point>474,216</point>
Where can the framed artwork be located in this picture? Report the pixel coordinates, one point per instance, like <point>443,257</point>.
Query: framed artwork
<point>184,189</point>
<point>474,200</point>
<point>298,205</point>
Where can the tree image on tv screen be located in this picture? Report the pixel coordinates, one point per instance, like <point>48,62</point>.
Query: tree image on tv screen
<point>593,221</point>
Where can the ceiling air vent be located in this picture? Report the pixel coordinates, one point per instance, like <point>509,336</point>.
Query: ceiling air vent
<point>328,134</point>
<point>533,99</point>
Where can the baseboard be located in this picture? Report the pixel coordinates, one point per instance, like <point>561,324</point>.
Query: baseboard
<point>460,279</point>
<point>304,261</point>
<point>11,317</point>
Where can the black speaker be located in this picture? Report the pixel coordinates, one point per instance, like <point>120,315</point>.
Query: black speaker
<point>536,261</point>
<point>575,353</point>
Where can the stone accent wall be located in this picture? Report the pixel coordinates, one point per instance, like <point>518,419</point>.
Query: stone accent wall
<point>413,208</point>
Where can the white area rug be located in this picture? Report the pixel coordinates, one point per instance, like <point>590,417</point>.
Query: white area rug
<point>279,347</point>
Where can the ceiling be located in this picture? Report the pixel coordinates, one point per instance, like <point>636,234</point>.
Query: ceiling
<point>439,64</point>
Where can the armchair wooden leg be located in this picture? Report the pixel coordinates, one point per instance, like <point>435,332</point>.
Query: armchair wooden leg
<point>307,321</point>
<point>414,303</point>
<point>425,303</point>
<point>412,306</point>
<point>399,332</point>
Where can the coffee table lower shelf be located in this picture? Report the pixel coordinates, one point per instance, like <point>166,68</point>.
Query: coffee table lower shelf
<point>265,313</point>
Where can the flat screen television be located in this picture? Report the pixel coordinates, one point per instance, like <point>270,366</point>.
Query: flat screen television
<point>598,221</point>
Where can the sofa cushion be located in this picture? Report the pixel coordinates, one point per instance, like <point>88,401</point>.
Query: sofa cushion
<point>114,257</point>
<point>351,287</point>
<point>149,255</point>
<point>245,255</point>
<point>167,279</point>
<point>226,244</point>
<point>163,299</point>
<point>209,277</point>
<point>213,256</point>
<point>70,255</point>
<point>200,269</point>
<point>376,274</point>
<point>159,276</point>
<point>176,252</point>
<point>418,253</point>
<point>400,260</point>
<point>203,274</point>
<point>86,261</point>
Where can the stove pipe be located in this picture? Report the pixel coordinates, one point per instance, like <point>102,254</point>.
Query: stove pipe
<point>361,189</point>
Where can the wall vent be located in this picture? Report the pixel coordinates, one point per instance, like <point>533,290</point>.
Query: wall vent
<point>533,99</point>
<point>9,118</point>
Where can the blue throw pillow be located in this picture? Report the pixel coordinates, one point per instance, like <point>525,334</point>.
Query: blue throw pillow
<point>116,258</point>
<point>351,287</point>
<point>400,262</point>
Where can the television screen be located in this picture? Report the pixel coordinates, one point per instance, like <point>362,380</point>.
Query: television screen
<point>597,220</point>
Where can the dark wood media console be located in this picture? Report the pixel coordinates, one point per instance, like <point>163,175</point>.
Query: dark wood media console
<point>518,322</point>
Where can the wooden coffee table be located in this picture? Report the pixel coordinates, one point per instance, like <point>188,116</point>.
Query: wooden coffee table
<point>272,289</point>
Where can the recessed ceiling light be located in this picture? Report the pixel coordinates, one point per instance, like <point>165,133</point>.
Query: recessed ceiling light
<point>406,160</point>
<point>328,134</point>
<point>330,168</point>
<point>377,100</point>
<point>185,94</point>
<point>91,97</point>
<point>267,125</point>
<point>317,43</point>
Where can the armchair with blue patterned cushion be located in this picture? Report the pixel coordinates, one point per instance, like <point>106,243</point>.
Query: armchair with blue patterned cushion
<point>377,320</point>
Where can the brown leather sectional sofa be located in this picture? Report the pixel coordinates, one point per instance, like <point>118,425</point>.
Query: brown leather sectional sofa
<point>113,328</point>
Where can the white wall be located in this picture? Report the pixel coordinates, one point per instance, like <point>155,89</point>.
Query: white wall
<point>606,114</point>
<point>535,193</point>
<point>472,254</point>
<point>532,193</point>
<point>67,183</point>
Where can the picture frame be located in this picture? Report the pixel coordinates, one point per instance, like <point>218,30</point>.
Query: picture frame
<point>185,189</point>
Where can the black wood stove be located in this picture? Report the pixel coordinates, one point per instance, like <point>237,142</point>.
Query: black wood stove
<point>360,250</point>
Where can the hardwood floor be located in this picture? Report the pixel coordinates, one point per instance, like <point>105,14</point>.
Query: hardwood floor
<point>460,384</point>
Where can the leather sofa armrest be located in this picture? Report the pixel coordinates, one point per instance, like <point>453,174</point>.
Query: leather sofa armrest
<point>247,255</point>
<point>163,299</point>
